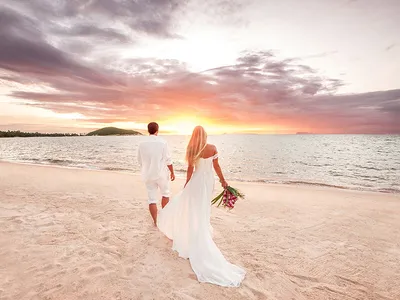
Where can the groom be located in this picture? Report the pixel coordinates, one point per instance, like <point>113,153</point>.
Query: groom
<point>155,160</point>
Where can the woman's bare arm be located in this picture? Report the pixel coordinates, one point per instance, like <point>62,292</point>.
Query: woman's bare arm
<point>189,173</point>
<point>218,170</point>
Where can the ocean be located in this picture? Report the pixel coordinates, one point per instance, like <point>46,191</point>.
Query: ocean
<point>363,162</point>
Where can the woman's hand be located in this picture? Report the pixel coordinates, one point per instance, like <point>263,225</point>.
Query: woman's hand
<point>218,170</point>
<point>224,184</point>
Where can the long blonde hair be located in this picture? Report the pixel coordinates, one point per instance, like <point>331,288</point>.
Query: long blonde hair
<point>197,143</point>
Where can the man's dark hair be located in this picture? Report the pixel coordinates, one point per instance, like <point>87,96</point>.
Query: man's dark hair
<point>152,127</point>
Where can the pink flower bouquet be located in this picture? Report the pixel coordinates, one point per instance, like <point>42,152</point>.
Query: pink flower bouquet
<point>228,197</point>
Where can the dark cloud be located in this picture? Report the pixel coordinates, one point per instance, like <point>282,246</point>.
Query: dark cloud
<point>21,55</point>
<point>153,17</point>
<point>76,47</point>
<point>25,52</point>
<point>82,27</point>
<point>19,25</point>
<point>93,31</point>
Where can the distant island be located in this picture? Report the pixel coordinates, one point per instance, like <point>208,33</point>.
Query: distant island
<point>101,132</point>
<point>114,131</point>
<point>18,133</point>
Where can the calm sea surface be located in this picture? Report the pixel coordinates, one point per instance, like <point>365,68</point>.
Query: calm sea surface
<point>366,162</point>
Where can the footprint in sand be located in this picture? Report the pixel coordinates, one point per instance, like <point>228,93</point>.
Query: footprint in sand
<point>48,224</point>
<point>95,270</point>
<point>47,267</point>
<point>16,219</point>
<point>105,239</point>
<point>128,271</point>
<point>259,294</point>
<point>48,294</point>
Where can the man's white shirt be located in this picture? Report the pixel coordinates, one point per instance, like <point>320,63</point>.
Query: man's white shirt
<point>153,158</point>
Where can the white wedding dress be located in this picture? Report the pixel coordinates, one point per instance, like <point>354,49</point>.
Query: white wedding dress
<point>186,221</point>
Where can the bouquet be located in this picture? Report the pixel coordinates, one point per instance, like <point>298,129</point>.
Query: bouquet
<point>228,197</point>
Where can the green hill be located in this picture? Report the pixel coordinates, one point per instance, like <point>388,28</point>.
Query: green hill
<point>114,131</point>
<point>17,133</point>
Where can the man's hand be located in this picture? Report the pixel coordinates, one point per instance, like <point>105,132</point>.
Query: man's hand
<point>171,171</point>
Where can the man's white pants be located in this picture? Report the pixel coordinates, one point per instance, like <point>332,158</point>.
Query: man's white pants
<point>153,186</point>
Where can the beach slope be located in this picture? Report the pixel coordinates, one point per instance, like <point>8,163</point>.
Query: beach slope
<point>80,234</point>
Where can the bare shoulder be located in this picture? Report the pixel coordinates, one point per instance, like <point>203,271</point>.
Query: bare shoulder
<point>212,148</point>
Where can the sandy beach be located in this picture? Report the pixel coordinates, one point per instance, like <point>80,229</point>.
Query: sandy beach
<point>80,234</point>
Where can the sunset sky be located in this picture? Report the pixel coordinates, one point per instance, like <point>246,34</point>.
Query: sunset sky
<point>258,66</point>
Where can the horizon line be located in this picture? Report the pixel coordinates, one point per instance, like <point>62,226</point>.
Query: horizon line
<point>144,132</point>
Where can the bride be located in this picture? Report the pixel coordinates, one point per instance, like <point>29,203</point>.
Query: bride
<point>186,218</point>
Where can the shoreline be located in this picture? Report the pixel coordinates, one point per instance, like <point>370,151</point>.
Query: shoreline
<point>180,174</point>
